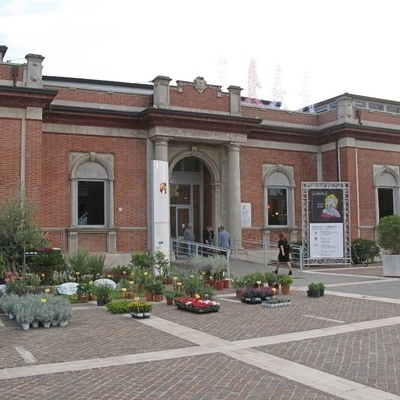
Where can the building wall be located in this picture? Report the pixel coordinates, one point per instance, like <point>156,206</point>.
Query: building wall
<point>46,121</point>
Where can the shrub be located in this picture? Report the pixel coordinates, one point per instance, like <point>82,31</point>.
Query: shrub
<point>367,246</point>
<point>120,307</point>
<point>389,234</point>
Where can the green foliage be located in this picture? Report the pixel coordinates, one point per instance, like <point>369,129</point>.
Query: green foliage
<point>389,234</point>
<point>120,272</point>
<point>143,260</point>
<point>313,287</point>
<point>120,307</point>
<point>79,261</point>
<point>285,280</point>
<point>367,246</point>
<point>96,264</point>
<point>17,231</point>
<point>102,290</point>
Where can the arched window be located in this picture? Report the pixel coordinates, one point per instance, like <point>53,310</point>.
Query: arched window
<point>387,190</point>
<point>278,195</point>
<point>91,190</point>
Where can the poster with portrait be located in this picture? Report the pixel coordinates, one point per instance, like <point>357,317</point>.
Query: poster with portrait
<point>326,205</point>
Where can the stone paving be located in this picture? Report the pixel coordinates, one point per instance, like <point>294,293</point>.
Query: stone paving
<point>345,345</point>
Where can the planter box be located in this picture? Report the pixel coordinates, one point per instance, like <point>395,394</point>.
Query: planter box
<point>276,304</point>
<point>251,300</point>
<point>196,306</point>
<point>391,265</point>
<point>140,315</point>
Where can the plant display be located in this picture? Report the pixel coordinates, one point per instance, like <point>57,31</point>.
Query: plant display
<point>102,290</point>
<point>196,305</point>
<point>276,302</point>
<point>120,307</point>
<point>256,294</point>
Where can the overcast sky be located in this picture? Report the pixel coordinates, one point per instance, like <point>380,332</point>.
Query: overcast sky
<point>302,51</point>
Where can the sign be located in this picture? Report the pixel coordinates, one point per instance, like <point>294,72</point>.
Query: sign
<point>246,215</point>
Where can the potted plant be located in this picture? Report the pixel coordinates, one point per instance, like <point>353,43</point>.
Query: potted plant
<point>321,286</point>
<point>103,293</point>
<point>238,283</point>
<point>157,290</point>
<point>285,282</point>
<point>84,291</point>
<point>25,312</point>
<point>169,296</point>
<point>389,239</point>
<point>313,290</point>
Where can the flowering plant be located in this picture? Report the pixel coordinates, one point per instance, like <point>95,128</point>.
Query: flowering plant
<point>196,305</point>
<point>262,292</point>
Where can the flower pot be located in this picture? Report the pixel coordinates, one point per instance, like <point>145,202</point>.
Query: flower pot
<point>137,315</point>
<point>226,283</point>
<point>92,297</point>
<point>315,293</point>
<point>35,324</point>
<point>170,301</point>
<point>321,293</point>
<point>157,297</point>
<point>149,296</point>
<point>285,289</point>
<point>218,284</point>
<point>239,293</point>
<point>47,324</point>
<point>63,323</point>
<point>146,315</point>
<point>141,287</point>
<point>25,326</point>
<point>102,301</point>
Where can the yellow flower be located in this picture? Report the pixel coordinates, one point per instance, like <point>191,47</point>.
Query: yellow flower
<point>131,282</point>
<point>43,300</point>
<point>47,290</point>
<point>123,289</point>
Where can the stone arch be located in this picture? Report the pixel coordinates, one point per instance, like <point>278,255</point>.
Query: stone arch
<point>205,158</point>
<point>78,160</point>
<point>278,174</point>
<point>386,176</point>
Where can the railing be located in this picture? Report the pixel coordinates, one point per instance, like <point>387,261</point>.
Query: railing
<point>182,249</point>
<point>263,253</point>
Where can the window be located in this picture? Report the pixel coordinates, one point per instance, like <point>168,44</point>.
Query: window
<point>92,190</point>
<point>277,206</point>
<point>278,195</point>
<point>387,190</point>
<point>91,203</point>
<point>385,202</point>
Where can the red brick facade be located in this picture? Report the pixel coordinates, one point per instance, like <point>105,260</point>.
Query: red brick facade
<point>47,124</point>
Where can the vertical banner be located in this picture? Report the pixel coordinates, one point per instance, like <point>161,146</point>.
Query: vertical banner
<point>246,215</point>
<point>326,223</point>
<point>160,218</point>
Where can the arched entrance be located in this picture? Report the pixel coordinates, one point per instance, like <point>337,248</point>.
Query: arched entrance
<point>190,197</point>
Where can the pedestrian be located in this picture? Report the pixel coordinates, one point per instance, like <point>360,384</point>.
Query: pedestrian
<point>188,235</point>
<point>208,239</point>
<point>283,255</point>
<point>224,240</point>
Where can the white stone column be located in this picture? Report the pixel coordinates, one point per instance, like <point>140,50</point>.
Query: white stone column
<point>161,149</point>
<point>234,211</point>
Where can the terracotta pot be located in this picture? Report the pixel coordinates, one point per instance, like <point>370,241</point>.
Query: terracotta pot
<point>149,296</point>
<point>218,285</point>
<point>170,301</point>
<point>141,287</point>
<point>226,283</point>
<point>285,289</point>
<point>239,293</point>
<point>157,297</point>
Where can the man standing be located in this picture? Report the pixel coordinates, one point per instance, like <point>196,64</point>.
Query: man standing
<point>188,235</point>
<point>224,240</point>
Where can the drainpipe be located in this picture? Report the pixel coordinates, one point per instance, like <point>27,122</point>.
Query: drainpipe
<point>338,161</point>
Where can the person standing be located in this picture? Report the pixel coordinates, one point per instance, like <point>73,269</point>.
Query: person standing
<point>283,255</point>
<point>224,240</point>
<point>208,239</point>
<point>188,235</point>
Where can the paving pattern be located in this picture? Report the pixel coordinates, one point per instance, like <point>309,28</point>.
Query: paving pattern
<point>345,345</point>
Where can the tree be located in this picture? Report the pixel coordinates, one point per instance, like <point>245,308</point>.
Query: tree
<point>17,231</point>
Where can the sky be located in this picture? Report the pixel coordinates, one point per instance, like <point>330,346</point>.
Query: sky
<point>296,52</point>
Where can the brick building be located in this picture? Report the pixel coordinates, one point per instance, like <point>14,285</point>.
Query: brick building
<point>82,150</point>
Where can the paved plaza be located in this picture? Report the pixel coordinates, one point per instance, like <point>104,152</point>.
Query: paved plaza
<point>345,345</point>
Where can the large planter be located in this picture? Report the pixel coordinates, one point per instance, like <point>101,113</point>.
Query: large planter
<point>218,284</point>
<point>170,301</point>
<point>149,296</point>
<point>391,265</point>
